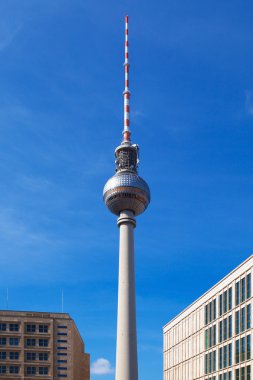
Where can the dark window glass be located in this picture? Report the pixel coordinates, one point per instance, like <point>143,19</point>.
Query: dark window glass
<point>248,347</point>
<point>230,298</point>
<point>243,373</point>
<point>2,368</point>
<point>214,309</point>
<point>43,370</point>
<point>61,354</point>
<point>210,311</point>
<point>214,361</point>
<point>62,327</point>
<point>30,328</point>
<point>43,356</point>
<point>62,375</point>
<point>225,355</point>
<point>62,368</point>
<point>243,319</point>
<point>214,334</point>
<point>61,361</point>
<point>225,301</point>
<point>210,331</point>
<point>210,361</point>
<point>237,322</point>
<point>14,327</point>
<point>14,341</point>
<point>2,326</point>
<point>14,355</point>
<point>206,315</point>
<point>225,329</point>
<point>248,372</point>
<point>220,358</point>
<point>248,285</point>
<point>43,342</point>
<point>220,331</point>
<point>61,333</point>
<point>220,305</point>
<point>62,348</point>
<point>30,342</point>
<point>30,356</point>
<point>31,370</point>
<point>230,354</point>
<point>237,374</point>
<point>43,328</point>
<point>237,293</point>
<point>243,349</point>
<point>248,316</point>
<point>14,369</point>
<point>230,326</point>
<point>230,375</point>
<point>243,289</point>
<point>237,351</point>
<point>2,355</point>
<point>2,341</point>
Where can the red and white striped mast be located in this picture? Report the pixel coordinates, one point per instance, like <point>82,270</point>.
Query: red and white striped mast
<point>126,93</point>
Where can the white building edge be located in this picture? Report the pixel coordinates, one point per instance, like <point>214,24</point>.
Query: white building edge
<point>211,339</point>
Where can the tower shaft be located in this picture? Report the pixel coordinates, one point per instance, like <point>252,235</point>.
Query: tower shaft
<point>126,352</point>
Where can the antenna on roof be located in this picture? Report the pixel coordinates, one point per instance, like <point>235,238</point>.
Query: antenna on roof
<point>126,93</point>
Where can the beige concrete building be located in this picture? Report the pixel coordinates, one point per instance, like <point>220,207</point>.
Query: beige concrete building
<point>36,345</point>
<point>211,339</point>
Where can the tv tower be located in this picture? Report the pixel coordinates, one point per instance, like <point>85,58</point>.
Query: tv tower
<point>126,195</point>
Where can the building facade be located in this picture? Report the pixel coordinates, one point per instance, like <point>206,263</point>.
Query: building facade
<point>36,345</point>
<point>212,338</point>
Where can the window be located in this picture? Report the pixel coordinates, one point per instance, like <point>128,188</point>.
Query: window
<point>61,333</point>
<point>14,355</point>
<point>43,356</point>
<point>243,288</point>
<point>2,341</point>
<point>206,315</point>
<point>14,369</point>
<point>248,316</point>
<point>230,354</point>
<point>237,293</point>
<point>2,355</point>
<point>61,361</point>
<point>248,347</point>
<point>220,305</point>
<point>62,327</point>
<point>242,315</point>
<point>30,356</point>
<point>237,351</point>
<point>43,328</point>
<point>61,353</point>
<point>230,298</point>
<point>65,341</point>
<point>225,301</point>
<point>62,375</point>
<point>225,329</point>
<point>237,322</point>
<point>14,341</point>
<point>220,357</point>
<point>31,370</point>
<point>2,326</point>
<point>230,326</point>
<point>220,331</point>
<point>2,368</point>
<point>62,348</point>
<point>30,328</point>
<point>30,342</point>
<point>248,372</point>
<point>43,342</point>
<point>62,368</point>
<point>14,327</point>
<point>43,370</point>
<point>248,285</point>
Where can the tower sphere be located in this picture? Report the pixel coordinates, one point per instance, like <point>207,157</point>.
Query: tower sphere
<point>126,191</point>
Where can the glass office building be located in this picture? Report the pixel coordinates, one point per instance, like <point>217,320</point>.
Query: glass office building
<point>211,339</point>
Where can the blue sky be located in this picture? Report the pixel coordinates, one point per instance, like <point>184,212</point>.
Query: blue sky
<point>61,116</point>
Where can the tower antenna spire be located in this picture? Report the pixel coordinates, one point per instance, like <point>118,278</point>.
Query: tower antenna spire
<point>126,93</point>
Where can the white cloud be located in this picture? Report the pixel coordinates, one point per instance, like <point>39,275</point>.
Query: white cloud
<point>101,367</point>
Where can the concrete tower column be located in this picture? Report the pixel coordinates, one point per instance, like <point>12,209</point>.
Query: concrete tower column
<point>126,352</point>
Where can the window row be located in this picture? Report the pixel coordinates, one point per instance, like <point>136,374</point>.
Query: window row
<point>243,373</point>
<point>12,369</point>
<point>226,376</point>
<point>43,356</point>
<point>11,355</point>
<point>12,341</point>
<point>31,342</point>
<point>243,289</point>
<point>225,329</point>
<point>12,327</point>
<point>225,301</point>
<point>32,328</point>
<point>243,319</point>
<point>210,362</point>
<point>242,349</point>
<point>225,356</point>
<point>35,370</point>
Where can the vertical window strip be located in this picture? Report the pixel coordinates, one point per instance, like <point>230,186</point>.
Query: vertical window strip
<point>249,285</point>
